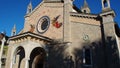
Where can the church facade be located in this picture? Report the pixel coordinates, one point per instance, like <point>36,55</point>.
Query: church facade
<point>57,34</point>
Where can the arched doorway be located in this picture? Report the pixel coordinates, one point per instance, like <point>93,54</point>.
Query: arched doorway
<point>37,58</point>
<point>18,56</point>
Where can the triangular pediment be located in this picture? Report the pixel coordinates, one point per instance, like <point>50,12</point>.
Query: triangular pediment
<point>27,36</point>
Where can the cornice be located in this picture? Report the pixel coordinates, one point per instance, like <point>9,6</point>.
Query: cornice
<point>31,35</point>
<point>105,13</point>
<point>85,15</point>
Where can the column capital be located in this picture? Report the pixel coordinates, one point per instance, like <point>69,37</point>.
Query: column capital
<point>27,58</point>
<point>3,40</point>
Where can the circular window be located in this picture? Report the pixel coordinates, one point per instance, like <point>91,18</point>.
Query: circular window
<point>43,24</point>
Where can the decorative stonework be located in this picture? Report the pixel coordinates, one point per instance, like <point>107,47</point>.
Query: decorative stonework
<point>86,37</point>
<point>27,37</point>
<point>83,15</point>
<point>32,28</point>
<point>56,23</point>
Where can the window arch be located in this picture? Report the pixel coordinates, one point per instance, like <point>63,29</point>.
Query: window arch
<point>37,58</point>
<point>87,56</point>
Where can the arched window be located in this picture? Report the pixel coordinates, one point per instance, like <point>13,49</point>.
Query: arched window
<point>87,56</point>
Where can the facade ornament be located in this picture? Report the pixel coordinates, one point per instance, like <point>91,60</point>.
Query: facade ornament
<point>32,28</point>
<point>13,33</point>
<point>85,37</point>
<point>56,23</point>
<point>85,8</point>
<point>29,8</point>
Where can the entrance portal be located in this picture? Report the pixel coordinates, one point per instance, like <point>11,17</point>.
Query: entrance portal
<point>37,58</point>
<point>19,55</point>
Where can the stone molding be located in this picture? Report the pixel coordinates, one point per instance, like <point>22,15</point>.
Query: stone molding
<point>28,36</point>
<point>94,16</point>
<point>111,12</point>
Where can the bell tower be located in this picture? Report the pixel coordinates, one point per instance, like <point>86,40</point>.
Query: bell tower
<point>106,5</point>
<point>107,13</point>
<point>29,8</point>
<point>107,16</point>
<point>108,34</point>
<point>85,8</point>
<point>13,31</point>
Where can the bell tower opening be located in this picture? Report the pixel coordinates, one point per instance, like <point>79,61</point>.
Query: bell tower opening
<point>105,3</point>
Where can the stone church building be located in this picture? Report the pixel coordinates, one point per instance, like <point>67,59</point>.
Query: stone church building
<point>57,34</point>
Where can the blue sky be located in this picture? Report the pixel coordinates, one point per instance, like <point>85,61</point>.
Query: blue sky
<point>13,11</point>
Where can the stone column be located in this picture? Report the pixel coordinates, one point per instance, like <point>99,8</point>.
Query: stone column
<point>67,23</point>
<point>102,4</point>
<point>108,3</point>
<point>11,63</point>
<point>26,63</point>
<point>1,51</point>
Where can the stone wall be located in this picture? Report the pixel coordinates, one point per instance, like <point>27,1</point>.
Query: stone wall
<point>46,9</point>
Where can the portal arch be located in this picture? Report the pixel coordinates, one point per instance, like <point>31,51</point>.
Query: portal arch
<point>18,56</point>
<point>37,58</point>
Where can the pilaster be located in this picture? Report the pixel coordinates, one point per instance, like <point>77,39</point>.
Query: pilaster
<point>67,23</point>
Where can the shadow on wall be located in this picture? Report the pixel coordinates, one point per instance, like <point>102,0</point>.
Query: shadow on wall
<point>56,55</point>
<point>93,55</point>
<point>101,55</point>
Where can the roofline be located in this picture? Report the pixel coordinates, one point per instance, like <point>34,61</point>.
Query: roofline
<point>27,15</point>
<point>30,34</point>
<point>110,12</point>
<point>53,1</point>
<point>87,15</point>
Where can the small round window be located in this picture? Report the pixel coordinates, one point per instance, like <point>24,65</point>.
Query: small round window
<point>43,24</point>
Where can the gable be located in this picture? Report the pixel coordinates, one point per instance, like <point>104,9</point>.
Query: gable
<point>53,12</point>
